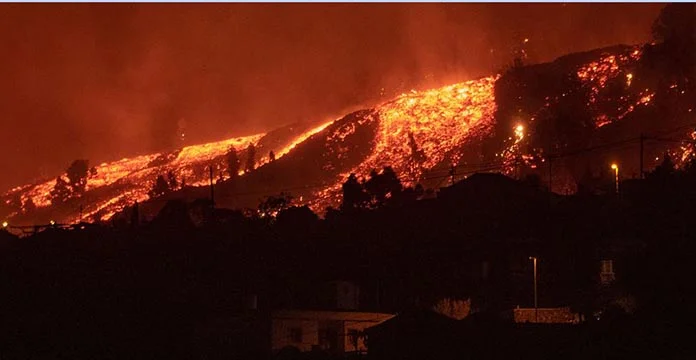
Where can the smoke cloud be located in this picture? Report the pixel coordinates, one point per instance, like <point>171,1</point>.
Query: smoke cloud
<point>106,81</point>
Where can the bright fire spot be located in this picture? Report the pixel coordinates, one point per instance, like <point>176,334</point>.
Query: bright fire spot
<point>688,149</point>
<point>519,132</point>
<point>513,155</point>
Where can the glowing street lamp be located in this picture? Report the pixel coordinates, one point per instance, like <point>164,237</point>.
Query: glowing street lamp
<point>5,224</point>
<point>616,175</point>
<point>536,307</point>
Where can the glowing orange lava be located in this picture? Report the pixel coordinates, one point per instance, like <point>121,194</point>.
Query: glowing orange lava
<point>134,177</point>
<point>439,120</point>
<point>417,134</point>
<point>597,74</point>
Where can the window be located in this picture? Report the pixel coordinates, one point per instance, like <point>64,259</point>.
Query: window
<point>607,267</point>
<point>295,335</point>
<point>606,273</point>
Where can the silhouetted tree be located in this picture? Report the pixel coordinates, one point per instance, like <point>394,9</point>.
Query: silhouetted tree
<point>29,205</point>
<point>251,158</point>
<point>667,166</point>
<point>171,180</point>
<point>271,156</point>
<point>233,162</point>
<point>272,205</point>
<point>354,195</point>
<point>663,172</point>
<point>61,191</point>
<point>676,24</point>
<point>675,27</point>
<point>159,188</point>
<point>296,220</point>
<point>382,186</point>
<point>77,173</point>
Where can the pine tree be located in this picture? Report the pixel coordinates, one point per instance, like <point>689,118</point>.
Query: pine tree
<point>251,158</point>
<point>233,162</point>
<point>77,173</point>
<point>354,195</point>
<point>61,191</point>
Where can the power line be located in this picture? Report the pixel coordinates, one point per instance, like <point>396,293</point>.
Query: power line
<point>488,166</point>
<point>472,169</point>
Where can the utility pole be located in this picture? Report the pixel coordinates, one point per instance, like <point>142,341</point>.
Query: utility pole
<point>451,173</point>
<point>536,307</point>
<point>642,139</point>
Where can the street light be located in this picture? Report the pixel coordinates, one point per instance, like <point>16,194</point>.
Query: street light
<point>5,224</point>
<point>616,175</point>
<point>536,307</point>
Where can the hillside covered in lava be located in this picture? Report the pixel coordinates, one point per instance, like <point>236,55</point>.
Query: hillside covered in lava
<point>563,121</point>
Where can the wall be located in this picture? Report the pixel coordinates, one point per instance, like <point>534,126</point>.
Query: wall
<point>281,329</point>
<point>312,322</point>
<point>546,315</point>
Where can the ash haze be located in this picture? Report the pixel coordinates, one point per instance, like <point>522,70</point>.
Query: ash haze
<point>106,81</point>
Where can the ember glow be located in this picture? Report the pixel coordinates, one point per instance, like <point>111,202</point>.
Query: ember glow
<point>598,74</point>
<point>134,177</point>
<point>439,120</point>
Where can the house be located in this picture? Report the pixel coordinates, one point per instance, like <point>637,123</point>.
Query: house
<point>332,331</point>
<point>559,315</point>
<point>334,325</point>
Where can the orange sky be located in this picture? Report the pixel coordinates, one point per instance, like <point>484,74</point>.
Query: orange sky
<point>104,81</point>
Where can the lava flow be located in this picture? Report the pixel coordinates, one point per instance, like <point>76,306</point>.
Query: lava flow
<point>420,130</point>
<point>418,134</point>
